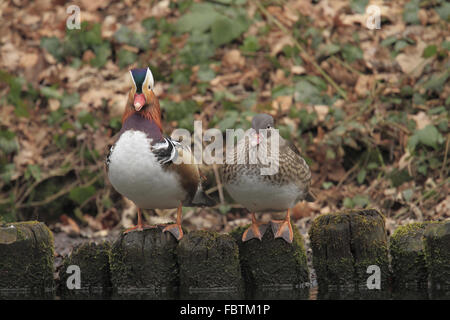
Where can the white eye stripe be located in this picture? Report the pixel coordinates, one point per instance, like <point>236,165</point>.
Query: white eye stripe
<point>132,79</point>
<point>149,79</point>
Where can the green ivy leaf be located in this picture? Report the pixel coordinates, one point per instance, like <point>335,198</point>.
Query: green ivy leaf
<point>33,171</point>
<point>228,121</point>
<point>360,200</point>
<point>205,73</point>
<point>224,209</point>
<point>125,58</point>
<point>84,117</point>
<point>330,49</point>
<point>308,92</point>
<point>410,12</point>
<point>200,18</point>
<point>69,100</point>
<point>351,53</point>
<point>444,11</point>
<point>134,39</point>
<point>224,30</point>
<point>430,51</point>
<point>430,136</point>
<point>361,176</point>
<point>359,6</point>
<point>437,81</point>
<point>150,25</point>
<point>327,185</point>
<point>446,45</point>
<point>8,143</point>
<point>53,46</point>
<point>50,92</point>
<point>102,53</point>
<point>198,49</point>
<point>251,44</point>
<point>348,203</point>
<point>407,194</point>
<point>7,171</point>
<point>398,177</point>
<point>388,41</point>
<point>81,194</point>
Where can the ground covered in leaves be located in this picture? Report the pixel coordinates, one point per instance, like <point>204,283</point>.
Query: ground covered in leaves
<point>369,109</point>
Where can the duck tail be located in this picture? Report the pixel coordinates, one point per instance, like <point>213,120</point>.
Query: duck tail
<point>310,197</point>
<point>201,199</point>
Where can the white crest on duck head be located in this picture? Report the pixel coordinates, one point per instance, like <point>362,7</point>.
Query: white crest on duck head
<point>148,82</point>
<point>132,79</point>
<point>149,79</point>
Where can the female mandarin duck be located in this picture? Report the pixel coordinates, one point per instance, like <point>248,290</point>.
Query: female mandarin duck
<point>141,162</point>
<point>276,192</point>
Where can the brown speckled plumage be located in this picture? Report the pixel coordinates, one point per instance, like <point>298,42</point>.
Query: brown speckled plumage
<point>273,192</point>
<point>292,167</point>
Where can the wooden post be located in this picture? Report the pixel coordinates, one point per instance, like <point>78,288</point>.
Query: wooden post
<point>26,260</point>
<point>209,266</point>
<point>437,255</point>
<point>410,274</point>
<point>349,249</point>
<point>273,268</point>
<point>144,265</point>
<point>91,260</point>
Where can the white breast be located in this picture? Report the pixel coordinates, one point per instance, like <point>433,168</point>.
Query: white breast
<point>135,173</point>
<point>258,195</point>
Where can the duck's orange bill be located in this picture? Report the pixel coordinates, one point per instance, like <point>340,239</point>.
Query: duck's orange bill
<point>139,101</point>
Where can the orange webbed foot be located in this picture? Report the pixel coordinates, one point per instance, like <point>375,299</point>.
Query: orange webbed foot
<point>255,231</point>
<point>282,229</point>
<point>175,230</point>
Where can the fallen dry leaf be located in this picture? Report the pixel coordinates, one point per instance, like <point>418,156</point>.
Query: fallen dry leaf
<point>421,120</point>
<point>411,62</point>
<point>233,59</point>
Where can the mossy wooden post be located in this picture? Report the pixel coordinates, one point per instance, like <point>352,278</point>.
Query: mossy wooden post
<point>92,259</point>
<point>209,266</point>
<point>26,259</point>
<point>143,264</point>
<point>437,255</point>
<point>345,245</point>
<point>409,270</point>
<point>273,268</point>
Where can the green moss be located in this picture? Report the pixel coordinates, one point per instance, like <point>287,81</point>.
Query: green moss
<point>437,257</point>
<point>209,266</point>
<point>344,245</point>
<point>332,253</point>
<point>93,260</point>
<point>271,263</point>
<point>408,258</point>
<point>26,262</point>
<point>145,261</point>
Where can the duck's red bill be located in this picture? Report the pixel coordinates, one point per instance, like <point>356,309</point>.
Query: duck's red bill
<point>139,101</point>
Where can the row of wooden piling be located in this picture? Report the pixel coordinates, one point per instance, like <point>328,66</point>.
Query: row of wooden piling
<point>351,254</point>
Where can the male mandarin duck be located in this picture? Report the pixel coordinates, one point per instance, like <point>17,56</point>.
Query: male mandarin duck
<point>262,193</point>
<point>141,164</point>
